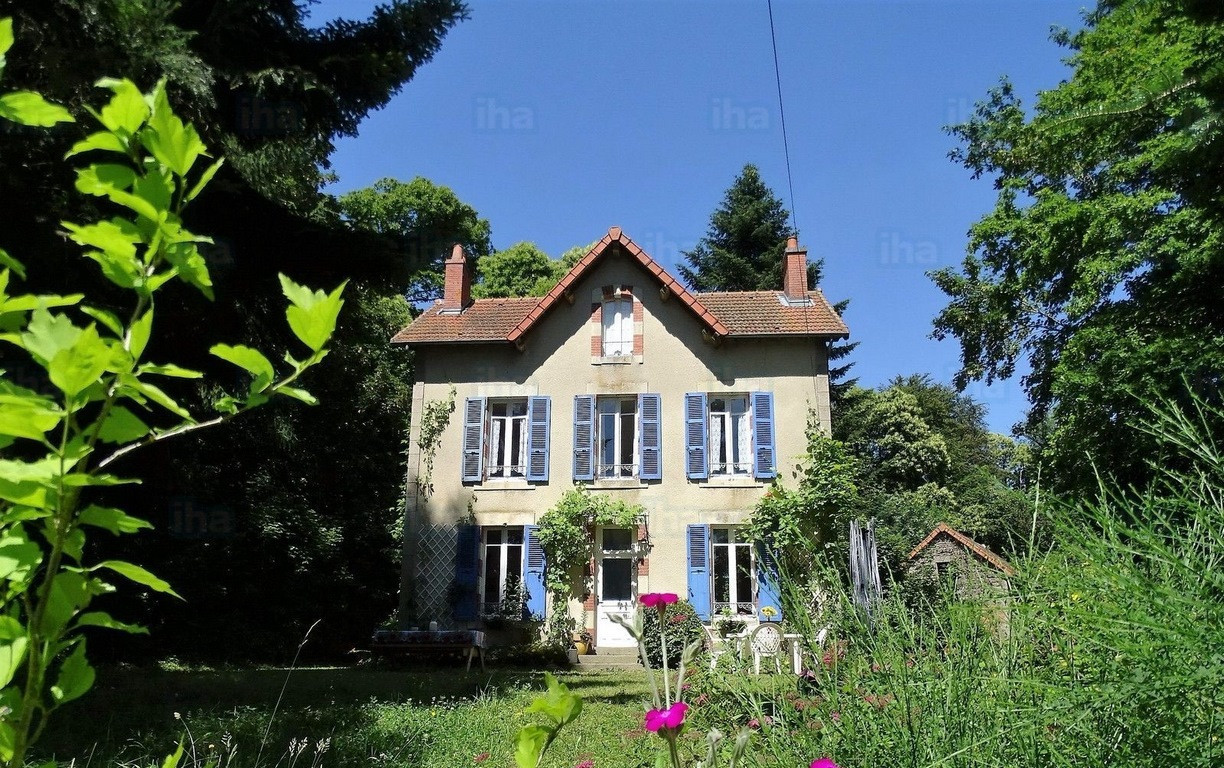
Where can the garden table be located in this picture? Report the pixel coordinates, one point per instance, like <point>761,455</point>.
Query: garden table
<point>471,642</point>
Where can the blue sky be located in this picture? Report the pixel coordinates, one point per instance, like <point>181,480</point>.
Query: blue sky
<point>557,119</point>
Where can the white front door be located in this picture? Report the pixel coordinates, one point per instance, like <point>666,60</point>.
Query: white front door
<point>615,586</point>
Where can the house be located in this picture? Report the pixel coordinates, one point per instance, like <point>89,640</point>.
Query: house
<point>947,556</point>
<point>624,381</point>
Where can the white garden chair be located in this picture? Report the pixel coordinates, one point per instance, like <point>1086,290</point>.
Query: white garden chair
<point>766,641</point>
<point>717,646</point>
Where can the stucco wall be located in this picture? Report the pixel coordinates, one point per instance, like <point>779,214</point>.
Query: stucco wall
<point>557,361</point>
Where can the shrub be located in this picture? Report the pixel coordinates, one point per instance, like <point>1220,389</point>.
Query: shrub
<point>681,627</point>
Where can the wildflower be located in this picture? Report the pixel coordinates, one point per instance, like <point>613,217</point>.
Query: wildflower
<point>482,757</point>
<point>823,762</point>
<point>658,599</point>
<point>702,699</point>
<point>671,717</point>
<point>686,686</point>
<point>836,716</point>
<point>679,618</point>
<point>586,764</point>
<point>765,720</point>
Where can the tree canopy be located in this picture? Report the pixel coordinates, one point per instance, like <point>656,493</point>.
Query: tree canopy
<point>1101,263</point>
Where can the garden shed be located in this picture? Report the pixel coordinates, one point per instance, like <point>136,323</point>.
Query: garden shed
<point>947,555</point>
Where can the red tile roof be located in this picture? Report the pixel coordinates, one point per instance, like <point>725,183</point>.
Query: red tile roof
<point>753,313</point>
<point>968,543</point>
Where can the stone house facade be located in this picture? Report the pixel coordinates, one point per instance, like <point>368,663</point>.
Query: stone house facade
<point>622,380</point>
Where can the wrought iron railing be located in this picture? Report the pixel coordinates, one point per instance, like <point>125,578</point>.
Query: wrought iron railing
<point>734,609</point>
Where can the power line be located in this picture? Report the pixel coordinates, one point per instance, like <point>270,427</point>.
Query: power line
<point>790,183</point>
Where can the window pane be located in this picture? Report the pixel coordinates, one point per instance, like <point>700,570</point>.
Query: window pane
<point>617,539</point>
<point>492,580</point>
<point>722,573</point>
<point>720,535</point>
<point>493,535</point>
<point>618,579</point>
<point>743,573</point>
<point>514,563</point>
<point>519,408</point>
<point>514,535</point>
<point>626,447</point>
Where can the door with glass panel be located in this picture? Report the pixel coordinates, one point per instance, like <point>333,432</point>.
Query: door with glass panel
<point>615,586</point>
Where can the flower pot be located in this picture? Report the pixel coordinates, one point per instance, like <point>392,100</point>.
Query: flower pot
<point>582,647</point>
<point>572,653</point>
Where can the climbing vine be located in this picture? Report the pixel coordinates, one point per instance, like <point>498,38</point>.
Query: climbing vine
<point>566,535</point>
<point>434,418</point>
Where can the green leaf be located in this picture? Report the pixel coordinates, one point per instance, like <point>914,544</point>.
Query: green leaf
<point>137,574</point>
<point>204,179</point>
<point>47,334</point>
<point>140,331</point>
<point>28,417</point>
<point>79,480</point>
<point>91,183</point>
<point>10,629</point>
<point>529,745</point>
<point>101,178</point>
<point>298,394</point>
<point>122,426</point>
<point>82,364</point>
<point>18,555</point>
<point>108,319</point>
<point>69,593</point>
<point>11,263</point>
<point>104,620</point>
<point>6,35</point>
<point>248,359</point>
<point>29,108</point>
<point>133,385</point>
<point>114,520</point>
<point>175,145</point>
<point>102,140</point>
<point>557,703</point>
<point>12,656</point>
<point>127,110</point>
<point>27,483</point>
<point>169,369</point>
<point>76,677</point>
<point>172,760</point>
<point>312,315</point>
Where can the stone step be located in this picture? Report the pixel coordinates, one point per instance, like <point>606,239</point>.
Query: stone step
<point>617,661</point>
<point>630,651</point>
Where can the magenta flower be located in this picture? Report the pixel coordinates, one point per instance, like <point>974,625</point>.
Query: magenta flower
<point>672,717</point>
<point>823,762</point>
<point>658,599</point>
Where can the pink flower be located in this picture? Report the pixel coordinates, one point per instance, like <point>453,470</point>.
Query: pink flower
<point>586,764</point>
<point>823,762</point>
<point>482,757</point>
<point>672,717</point>
<point>658,599</point>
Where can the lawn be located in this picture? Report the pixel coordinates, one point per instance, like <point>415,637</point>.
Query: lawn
<point>342,716</point>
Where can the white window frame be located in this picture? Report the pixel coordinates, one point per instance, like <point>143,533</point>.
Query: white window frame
<point>617,325</point>
<point>623,412</point>
<point>497,554</point>
<point>738,605</point>
<point>724,438</point>
<point>500,434</point>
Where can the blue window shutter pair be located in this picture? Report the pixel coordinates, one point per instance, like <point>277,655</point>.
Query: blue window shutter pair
<point>696,438</point>
<point>584,437</point>
<point>473,439</point>
<point>650,441</point>
<point>533,574</point>
<point>539,411</point>
<point>467,574</point>
<point>699,570</point>
<point>769,582</point>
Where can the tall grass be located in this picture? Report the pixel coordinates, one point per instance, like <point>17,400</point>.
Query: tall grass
<point>1108,650</point>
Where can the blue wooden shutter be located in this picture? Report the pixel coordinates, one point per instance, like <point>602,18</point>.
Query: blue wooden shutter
<point>764,462</point>
<point>651,437</point>
<point>699,570</point>
<point>768,582</point>
<point>539,409</point>
<point>473,439</point>
<point>584,437</point>
<point>695,465</point>
<point>533,574</point>
<point>467,574</point>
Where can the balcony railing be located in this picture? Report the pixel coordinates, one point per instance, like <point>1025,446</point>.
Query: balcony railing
<point>734,609</point>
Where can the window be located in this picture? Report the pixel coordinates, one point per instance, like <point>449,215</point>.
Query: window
<point>617,437</point>
<point>730,436</point>
<point>506,439</point>
<point>502,583</point>
<point>618,326</point>
<point>732,572</point>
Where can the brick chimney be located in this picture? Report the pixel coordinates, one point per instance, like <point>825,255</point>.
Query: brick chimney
<point>794,271</point>
<point>457,292</point>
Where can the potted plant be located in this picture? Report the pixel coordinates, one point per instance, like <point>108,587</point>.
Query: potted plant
<point>770,613</point>
<point>583,642</point>
<point>727,625</point>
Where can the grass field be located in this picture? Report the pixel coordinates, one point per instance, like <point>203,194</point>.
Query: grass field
<point>341,717</point>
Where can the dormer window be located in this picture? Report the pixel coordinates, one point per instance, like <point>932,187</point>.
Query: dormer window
<point>618,326</point>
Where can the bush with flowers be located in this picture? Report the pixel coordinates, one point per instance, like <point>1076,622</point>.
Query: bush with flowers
<point>679,625</point>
